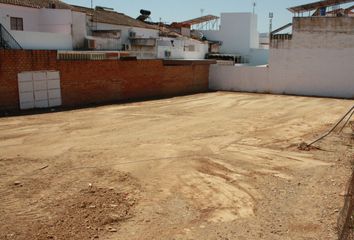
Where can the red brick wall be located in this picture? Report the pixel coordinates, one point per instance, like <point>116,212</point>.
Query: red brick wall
<point>86,82</point>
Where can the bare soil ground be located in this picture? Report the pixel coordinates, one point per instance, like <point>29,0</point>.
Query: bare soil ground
<point>206,166</point>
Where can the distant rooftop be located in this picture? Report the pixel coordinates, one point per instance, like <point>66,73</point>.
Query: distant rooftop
<point>316,5</point>
<point>99,15</point>
<point>112,17</point>
<point>200,20</point>
<point>38,3</point>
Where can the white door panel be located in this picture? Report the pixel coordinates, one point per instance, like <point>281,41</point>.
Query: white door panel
<point>55,102</point>
<point>25,77</point>
<point>40,85</point>
<point>39,89</point>
<point>55,93</point>
<point>54,84</point>
<point>41,95</point>
<point>26,105</point>
<point>39,76</point>
<point>25,87</point>
<point>41,104</point>
<point>26,97</point>
<point>52,75</point>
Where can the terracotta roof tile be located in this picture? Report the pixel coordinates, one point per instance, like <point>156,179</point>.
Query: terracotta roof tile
<point>112,17</point>
<point>37,3</point>
<point>102,16</point>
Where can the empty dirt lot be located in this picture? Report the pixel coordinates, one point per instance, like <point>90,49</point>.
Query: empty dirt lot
<point>206,166</point>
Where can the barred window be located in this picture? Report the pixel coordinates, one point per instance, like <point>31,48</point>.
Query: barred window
<point>16,23</point>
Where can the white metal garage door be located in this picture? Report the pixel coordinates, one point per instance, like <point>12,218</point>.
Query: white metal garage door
<point>39,89</point>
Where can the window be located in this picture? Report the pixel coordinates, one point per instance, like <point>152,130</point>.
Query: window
<point>16,23</point>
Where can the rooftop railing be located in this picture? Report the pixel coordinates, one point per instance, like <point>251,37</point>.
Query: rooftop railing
<point>7,41</point>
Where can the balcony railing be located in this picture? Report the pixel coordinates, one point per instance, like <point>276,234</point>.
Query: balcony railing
<point>148,42</point>
<point>281,40</point>
<point>7,41</point>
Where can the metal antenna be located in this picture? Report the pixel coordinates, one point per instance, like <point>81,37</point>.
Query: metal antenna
<point>254,7</point>
<point>271,16</point>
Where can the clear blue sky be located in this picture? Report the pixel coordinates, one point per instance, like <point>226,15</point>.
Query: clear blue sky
<point>180,10</point>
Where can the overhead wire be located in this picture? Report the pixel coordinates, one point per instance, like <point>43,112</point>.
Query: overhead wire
<point>350,113</point>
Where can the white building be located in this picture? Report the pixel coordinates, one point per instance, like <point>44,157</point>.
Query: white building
<point>110,30</point>
<point>315,60</point>
<point>238,34</point>
<point>55,25</point>
<point>169,48</point>
<point>48,24</point>
<point>173,45</point>
<point>39,24</point>
<point>143,40</point>
<point>264,40</point>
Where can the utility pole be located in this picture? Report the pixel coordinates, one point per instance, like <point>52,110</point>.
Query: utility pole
<point>160,24</point>
<point>271,15</point>
<point>201,27</point>
<point>254,7</point>
<point>92,17</point>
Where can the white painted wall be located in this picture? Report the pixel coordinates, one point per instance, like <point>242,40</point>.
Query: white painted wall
<point>179,49</point>
<point>201,51</point>
<point>308,72</point>
<point>79,30</point>
<point>107,43</point>
<point>238,32</point>
<point>43,41</point>
<point>258,56</point>
<point>264,40</point>
<point>37,20</point>
<point>39,89</point>
<point>54,20</point>
<point>49,29</point>
<point>239,78</point>
<point>30,16</point>
<point>144,53</point>
<point>125,31</point>
<point>318,61</point>
<point>254,34</point>
<point>314,72</point>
